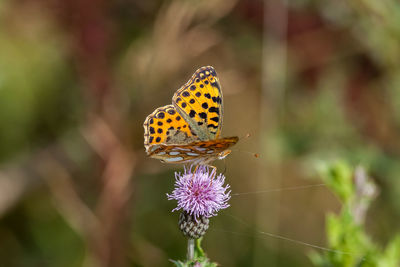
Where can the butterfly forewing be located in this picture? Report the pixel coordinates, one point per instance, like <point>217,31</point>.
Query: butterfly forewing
<point>199,101</point>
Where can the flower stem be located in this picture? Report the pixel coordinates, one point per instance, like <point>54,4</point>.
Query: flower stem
<point>190,249</point>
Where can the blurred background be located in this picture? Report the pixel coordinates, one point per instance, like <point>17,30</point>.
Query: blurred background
<point>310,81</point>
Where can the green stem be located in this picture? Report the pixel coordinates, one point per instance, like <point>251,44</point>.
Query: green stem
<point>190,249</point>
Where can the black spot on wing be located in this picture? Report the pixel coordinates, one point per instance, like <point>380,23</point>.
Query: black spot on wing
<point>214,109</point>
<point>203,115</point>
<point>215,84</point>
<point>193,87</point>
<point>192,113</point>
<point>216,99</point>
<point>159,130</point>
<point>178,118</point>
<point>151,121</point>
<point>171,112</point>
<point>207,95</point>
<point>159,123</point>
<point>169,120</point>
<point>158,139</point>
<point>151,139</point>
<point>152,131</point>
<point>216,119</point>
<point>191,101</point>
<point>198,94</point>
<point>161,115</point>
<point>213,126</point>
<point>204,105</point>
<point>185,94</point>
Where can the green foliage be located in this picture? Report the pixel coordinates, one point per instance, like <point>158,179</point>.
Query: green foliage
<point>338,178</point>
<point>200,258</point>
<point>349,243</point>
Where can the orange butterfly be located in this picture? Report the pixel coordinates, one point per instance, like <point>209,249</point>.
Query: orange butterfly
<point>188,130</point>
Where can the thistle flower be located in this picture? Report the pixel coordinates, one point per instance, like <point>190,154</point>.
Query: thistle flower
<point>200,193</point>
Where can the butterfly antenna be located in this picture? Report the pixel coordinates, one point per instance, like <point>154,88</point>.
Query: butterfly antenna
<point>256,155</point>
<point>246,136</point>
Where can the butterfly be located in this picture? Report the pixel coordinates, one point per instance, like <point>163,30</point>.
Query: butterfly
<point>188,130</point>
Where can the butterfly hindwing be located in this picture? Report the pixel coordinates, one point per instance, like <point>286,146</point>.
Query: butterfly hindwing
<point>166,126</point>
<point>197,152</point>
<point>199,101</point>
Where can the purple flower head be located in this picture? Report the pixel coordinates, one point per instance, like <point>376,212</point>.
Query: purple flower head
<point>198,194</point>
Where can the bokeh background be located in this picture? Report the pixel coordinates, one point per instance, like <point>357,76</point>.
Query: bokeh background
<point>310,81</point>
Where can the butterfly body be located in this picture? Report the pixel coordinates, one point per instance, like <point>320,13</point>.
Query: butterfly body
<point>188,130</point>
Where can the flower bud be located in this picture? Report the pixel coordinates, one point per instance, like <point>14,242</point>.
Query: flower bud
<point>192,227</point>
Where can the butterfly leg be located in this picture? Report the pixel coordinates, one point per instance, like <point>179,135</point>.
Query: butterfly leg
<point>195,169</point>
<point>213,173</point>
